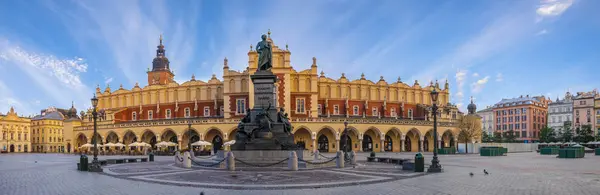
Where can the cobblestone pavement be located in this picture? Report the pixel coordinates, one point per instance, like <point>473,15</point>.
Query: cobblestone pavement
<point>517,173</point>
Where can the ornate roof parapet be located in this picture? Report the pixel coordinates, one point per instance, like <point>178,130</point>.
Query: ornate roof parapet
<point>225,61</point>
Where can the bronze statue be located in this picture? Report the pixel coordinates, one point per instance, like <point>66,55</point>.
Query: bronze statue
<point>282,117</point>
<point>264,54</point>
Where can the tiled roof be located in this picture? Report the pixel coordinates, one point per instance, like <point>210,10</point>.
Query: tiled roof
<point>51,115</point>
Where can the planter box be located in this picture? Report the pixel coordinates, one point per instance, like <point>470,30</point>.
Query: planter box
<point>549,151</point>
<point>451,150</point>
<point>571,152</point>
<point>492,151</point>
<point>597,151</point>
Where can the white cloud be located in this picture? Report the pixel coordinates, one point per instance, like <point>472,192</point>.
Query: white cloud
<point>108,80</point>
<point>54,77</point>
<point>130,33</point>
<point>475,74</point>
<point>542,32</point>
<point>460,77</point>
<point>459,95</point>
<point>64,70</point>
<point>477,86</point>
<point>553,7</point>
<point>499,77</point>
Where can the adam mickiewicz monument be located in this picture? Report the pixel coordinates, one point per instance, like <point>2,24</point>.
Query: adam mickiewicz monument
<point>264,127</point>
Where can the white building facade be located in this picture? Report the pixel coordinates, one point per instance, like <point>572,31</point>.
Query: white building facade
<point>560,111</point>
<point>487,120</point>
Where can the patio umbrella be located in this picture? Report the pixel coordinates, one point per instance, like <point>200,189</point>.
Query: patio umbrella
<point>134,144</point>
<point>109,144</point>
<point>201,143</point>
<point>161,144</point>
<point>86,146</point>
<point>229,143</point>
<point>119,145</point>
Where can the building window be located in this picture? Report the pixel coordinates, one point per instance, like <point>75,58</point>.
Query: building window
<point>374,111</point>
<point>524,134</point>
<point>523,125</point>
<point>240,106</point>
<point>393,112</point>
<point>589,119</point>
<point>206,111</point>
<point>355,110</point>
<point>577,120</point>
<point>186,112</point>
<point>576,112</point>
<point>319,109</point>
<point>222,109</point>
<point>300,105</point>
<point>150,114</point>
<point>553,119</point>
<point>168,114</point>
<point>410,113</point>
<point>581,102</point>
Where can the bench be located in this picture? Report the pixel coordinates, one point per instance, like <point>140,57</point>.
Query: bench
<point>120,161</point>
<point>130,160</point>
<point>144,159</point>
<point>408,166</point>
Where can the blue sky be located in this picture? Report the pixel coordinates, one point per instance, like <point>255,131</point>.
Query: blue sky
<point>55,52</point>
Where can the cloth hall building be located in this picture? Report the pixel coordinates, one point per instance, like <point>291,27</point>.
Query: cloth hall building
<point>382,116</point>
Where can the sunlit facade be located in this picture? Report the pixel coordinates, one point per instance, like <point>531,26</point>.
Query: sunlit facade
<point>382,116</point>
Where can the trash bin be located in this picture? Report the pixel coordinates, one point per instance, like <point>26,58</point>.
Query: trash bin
<point>419,163</point>
<point>151,157</point>
<point>83,163</point>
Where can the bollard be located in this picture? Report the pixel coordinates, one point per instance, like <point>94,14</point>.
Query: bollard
<point>316,154</point>
<point>230,161</point>
<point>293,161</point>
<point>177,159</point>
<point>187,161</point>
<point>340,159</point>
<point>353,157</point>
<point>151,157</point>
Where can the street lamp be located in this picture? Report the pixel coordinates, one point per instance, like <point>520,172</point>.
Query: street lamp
<point>435,163</point>
<point>95,167</point>
<point>190,135</point>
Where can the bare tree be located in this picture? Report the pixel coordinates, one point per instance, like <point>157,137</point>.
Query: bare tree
<point>470,129</point>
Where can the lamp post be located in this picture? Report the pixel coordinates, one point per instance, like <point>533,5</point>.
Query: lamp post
<point>435,166</point>
<point>95,167</point>
<point>190,135</point>
<point>344,142</point>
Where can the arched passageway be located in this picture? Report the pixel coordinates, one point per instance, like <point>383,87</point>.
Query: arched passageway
<point>303,139</point>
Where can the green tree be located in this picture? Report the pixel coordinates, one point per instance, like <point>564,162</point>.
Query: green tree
<point>485,137</point>
<point>584,134</point>
<point>510,136</point>
<point>566,133</point>
<point>497,137</point>
<point>547,134</point>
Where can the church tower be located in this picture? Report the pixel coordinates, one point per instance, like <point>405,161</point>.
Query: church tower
<point>160,73</point>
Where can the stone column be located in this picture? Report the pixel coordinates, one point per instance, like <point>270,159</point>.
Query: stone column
<point>360,145</point>
<point>314,145</point>
<point>402,149</point>
<point>439,143</point>
<point>456,144</point>
<point>381,146</point>
<point>421,148</point>
<point>338,145</point>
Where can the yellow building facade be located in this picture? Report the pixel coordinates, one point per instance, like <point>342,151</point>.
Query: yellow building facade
<point>15,131</point>
<point>382,116</point>
<point>47,131</point>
